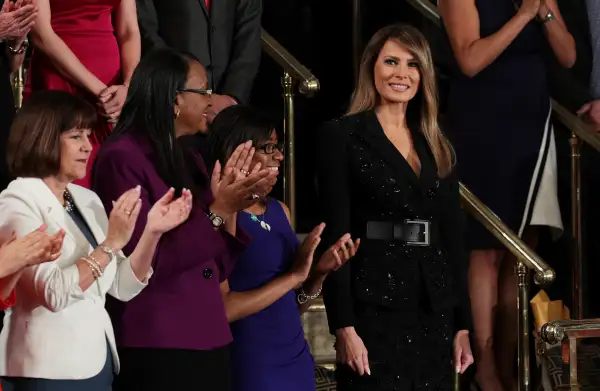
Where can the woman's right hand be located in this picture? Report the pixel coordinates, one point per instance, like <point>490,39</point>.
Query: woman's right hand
<point>122,219</point>
<point>350,350</point>
<point>234,193</point>
<point>306,253</point>
<point>530,8</point>
<point>32,249</point>
<point>16,19</point>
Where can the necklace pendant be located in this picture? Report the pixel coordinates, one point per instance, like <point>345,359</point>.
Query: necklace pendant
<point>265,226</point>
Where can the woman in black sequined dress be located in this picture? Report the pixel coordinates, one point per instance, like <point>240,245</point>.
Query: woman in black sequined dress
<point>400,308</point>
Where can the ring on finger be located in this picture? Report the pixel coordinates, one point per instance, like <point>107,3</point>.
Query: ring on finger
<point>244,172</point>
<point>255,196</point>
<point>128,212</point>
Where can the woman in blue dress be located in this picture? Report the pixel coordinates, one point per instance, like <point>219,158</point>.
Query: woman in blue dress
<point>274,280</point>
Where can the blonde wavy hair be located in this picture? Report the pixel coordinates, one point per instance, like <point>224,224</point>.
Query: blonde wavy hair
<point>366,97</point>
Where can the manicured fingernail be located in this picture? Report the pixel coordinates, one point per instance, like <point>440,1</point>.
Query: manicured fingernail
<point>457,369</point>
<point>138,188</point>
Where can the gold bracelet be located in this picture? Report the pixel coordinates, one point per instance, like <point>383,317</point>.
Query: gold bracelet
<point>98,265</point>
<point>93,268</point>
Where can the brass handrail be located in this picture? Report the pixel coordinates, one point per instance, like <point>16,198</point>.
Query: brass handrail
<point>544,274</point>
<point>576,125</point>
<point>309,84</point>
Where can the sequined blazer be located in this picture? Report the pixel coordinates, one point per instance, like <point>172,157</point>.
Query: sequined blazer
<point>362,178</point>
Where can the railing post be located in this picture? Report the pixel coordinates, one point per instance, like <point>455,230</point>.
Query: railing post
<point>289,178</point>
<point>18,84</point>
<point>523,325</point>
<point>576,231</point>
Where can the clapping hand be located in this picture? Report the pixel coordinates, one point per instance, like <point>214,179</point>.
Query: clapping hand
<point>17,19</point>
<point>236,189</point>
<point>32,249</point>
<point>305,255</point>
<point>122,219</point>
<point>239,162</point>
<point>111,100</point>
<point>167,213</point>
<point>337,255</point>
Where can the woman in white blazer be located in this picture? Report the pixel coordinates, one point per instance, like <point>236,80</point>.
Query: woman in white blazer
<point>58,336</point>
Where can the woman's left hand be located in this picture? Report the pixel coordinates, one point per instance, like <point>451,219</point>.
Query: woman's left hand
<point>463,357</point>
<point>167,213</point>
<point>337,255</point>
<point>239,162</point>
<point>111,100</point>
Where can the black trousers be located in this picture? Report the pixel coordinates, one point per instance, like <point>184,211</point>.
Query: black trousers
<point>173,370</point>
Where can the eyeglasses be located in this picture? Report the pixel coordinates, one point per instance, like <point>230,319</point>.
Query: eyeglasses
<point>196,91</point>
<point>270,148</point>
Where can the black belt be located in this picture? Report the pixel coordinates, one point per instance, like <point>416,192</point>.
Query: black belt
<point>412,232</point>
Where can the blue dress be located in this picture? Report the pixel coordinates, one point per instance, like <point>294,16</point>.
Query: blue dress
<point>269,352</point>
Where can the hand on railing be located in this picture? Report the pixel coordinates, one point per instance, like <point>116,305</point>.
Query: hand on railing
<point>591,113</point>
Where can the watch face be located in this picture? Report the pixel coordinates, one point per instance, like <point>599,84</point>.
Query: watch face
<point>217,221</point>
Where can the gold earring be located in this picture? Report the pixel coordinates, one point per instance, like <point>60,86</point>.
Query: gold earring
<point>177,112</point>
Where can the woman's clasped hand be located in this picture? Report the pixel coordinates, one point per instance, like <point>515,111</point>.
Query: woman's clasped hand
<point>236,186</point>
<point>166,214</point>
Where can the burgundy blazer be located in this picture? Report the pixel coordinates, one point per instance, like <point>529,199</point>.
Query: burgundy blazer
<point>182,306</point>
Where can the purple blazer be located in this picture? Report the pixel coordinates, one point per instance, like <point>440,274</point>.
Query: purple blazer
<point>182,306</point>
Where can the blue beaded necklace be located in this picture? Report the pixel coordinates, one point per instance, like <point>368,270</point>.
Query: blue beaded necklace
<point>263,224</point>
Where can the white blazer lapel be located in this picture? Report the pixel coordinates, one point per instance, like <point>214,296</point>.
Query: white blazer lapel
<point>55,212</point>
<point>93,212</point>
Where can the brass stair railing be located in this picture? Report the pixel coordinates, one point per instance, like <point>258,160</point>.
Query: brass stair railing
<point>308,86</point>
<point>579,132</point>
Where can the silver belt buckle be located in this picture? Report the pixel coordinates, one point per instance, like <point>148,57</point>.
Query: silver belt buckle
<point>426,232</point>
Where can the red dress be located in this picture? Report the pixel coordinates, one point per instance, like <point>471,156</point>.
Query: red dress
<point>86,27</point>
<point>9,302</point>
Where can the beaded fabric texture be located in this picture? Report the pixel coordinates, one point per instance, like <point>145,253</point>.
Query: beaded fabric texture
<point>404,297</point>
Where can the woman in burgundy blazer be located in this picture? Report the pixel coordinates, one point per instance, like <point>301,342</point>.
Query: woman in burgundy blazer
<point>175,335</point>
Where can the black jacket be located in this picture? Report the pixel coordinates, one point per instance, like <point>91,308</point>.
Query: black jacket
<point>361,178</point>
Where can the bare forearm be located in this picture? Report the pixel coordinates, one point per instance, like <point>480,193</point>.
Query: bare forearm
<point>238,305</point>
<point>484,51</point>
<point>131,50</point>
<point>561,41</point>
<point>86,274</point>
<point>66,63</point>
<point>7,284</point>
<point>143,254</point>
<point>311,286</point>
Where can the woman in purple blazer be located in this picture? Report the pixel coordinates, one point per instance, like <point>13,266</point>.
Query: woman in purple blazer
<point>175,335</point>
